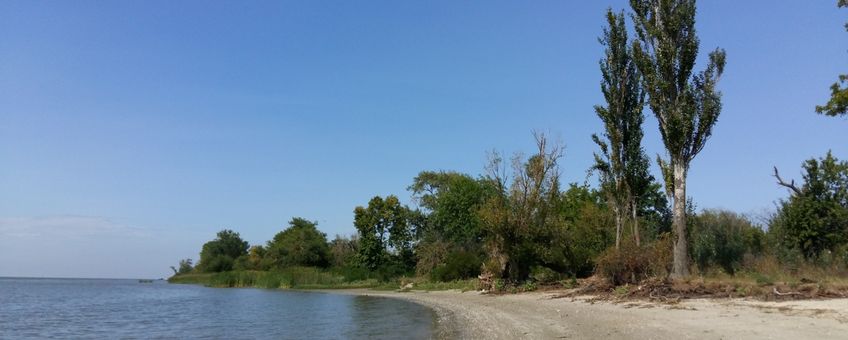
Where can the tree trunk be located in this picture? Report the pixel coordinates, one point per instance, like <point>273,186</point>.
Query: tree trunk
<point>618,219</point>
<point>680,268</point>
<point>635,221</point>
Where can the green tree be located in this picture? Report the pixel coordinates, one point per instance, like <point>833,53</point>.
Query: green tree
<point>450,236</point>
<point>622,164</point>
<point>586,232</point>
<point>185,267</point>
<point>838,103</point>
<point>343,251</point>
<point>686,106</point>
<point>518,220</point>
<point>220,254</point>
<point>385,233</point>
<point>451,201</point>
<point>301,244</point>
<point>815,217</point>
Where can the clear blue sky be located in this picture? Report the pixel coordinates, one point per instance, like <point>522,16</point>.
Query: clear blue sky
<point>130,132</point>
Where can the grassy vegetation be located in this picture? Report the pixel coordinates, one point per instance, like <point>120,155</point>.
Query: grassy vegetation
<point>311,278</point>
<point>288,278</point>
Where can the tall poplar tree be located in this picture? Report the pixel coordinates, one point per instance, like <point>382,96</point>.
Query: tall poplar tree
<point>838,103</point>
<point>687,106</point>
<point>622,164</point>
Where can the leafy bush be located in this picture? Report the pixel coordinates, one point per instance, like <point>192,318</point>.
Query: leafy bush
<point>544,275</point>
<point>458,265</point>
<point>629,264</point>
<point>721,238</point>
<point>217,263</point>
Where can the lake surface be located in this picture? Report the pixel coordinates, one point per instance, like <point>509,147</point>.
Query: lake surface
<point>99,308</point>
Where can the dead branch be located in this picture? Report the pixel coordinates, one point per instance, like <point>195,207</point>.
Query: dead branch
<point>790,185</point>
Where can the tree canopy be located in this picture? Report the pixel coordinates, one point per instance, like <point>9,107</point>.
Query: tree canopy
<point>686,106</point>
<point>815,217</point>
<point>301,244</point>
<point>622,163</point>
<point>219,254</point>
<point>386,232</point>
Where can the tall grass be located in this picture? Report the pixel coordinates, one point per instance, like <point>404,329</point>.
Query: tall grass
<point>292,277</point>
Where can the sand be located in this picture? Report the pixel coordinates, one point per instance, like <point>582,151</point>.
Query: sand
<point>471,315</point>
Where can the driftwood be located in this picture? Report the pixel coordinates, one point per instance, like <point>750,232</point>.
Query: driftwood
<point>784,294</point>
<point>486,282</point>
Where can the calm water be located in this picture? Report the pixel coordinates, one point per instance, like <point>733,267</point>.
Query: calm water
<point>82,308</point>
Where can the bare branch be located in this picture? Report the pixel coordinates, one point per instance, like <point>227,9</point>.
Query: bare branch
<point>790,185</point>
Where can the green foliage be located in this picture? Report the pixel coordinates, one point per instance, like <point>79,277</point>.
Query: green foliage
<point>622,164</point>
<point>452,224</point>
<point>627,264</point>
<point>544,275</point>
<point>458,265</point>
<point>687,106</point>
<point>519,220</point>
<point>219,254</point>
<point>837,105</point>
<point>291,277</point>
<point>585,235</point>
<point>721,238</point>
<point>343,251</point>
<point>386,233</point>
<point>216,263</point>
<point>815,217</point>
<point>452,200</point>
<point>185,267</point>
<point>301,244</point>
<point>631,263</point>
<point>528,286</point>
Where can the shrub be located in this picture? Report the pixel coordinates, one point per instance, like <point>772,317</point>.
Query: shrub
<point>629,264</point>
<point>458,265</point>
<point>721,238</point>
<point>544,275</point>
<point>218,263</point>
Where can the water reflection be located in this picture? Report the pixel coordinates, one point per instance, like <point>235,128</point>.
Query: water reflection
<point>39,308</point>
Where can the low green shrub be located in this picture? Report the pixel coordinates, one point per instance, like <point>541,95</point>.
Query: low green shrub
<point>544,275</point>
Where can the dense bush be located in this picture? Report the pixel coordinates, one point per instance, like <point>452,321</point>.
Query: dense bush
<point>632,264</point>
<point>721,238</point>
<point>218,263</point>
<point>628,264</point>
<point>543,275</point>
<point>458,265</point>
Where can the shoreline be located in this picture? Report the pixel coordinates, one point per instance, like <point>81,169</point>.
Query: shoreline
<point>540,315</point>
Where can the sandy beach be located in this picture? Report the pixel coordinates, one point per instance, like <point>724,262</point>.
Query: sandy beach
<point>471,315</point>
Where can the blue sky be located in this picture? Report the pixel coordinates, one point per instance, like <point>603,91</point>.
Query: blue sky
<point>130,132</point>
